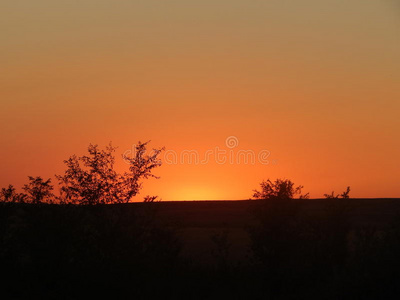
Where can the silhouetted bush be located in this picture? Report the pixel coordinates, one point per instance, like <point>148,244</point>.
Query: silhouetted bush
<point>279,189</point>
<point>11,195</point>
<point>92,179</point>
<point>39,190</point>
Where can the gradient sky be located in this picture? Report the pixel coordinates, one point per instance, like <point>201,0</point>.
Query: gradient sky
<point>316,83</point>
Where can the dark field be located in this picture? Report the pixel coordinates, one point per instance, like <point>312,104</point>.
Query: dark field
<point>253,249</point>
<point>197,221</point>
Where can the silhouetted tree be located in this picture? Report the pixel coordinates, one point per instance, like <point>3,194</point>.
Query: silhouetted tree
<point>38,190</point>
<point>344,195</point>
<point>150,198</point>
<point>10,195</point>
<point>279,189</point>
<point>91,179</point>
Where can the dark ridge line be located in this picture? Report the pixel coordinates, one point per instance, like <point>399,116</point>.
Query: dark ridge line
<point>253,200</point>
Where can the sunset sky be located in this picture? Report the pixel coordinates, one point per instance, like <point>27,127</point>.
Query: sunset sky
<point>314,83</point>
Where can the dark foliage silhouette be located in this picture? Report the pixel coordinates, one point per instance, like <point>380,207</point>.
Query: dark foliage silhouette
<point>91,179</point>
<point>39,190</point>
<point>148,199</point>
<point>279,189</point>
<point>11,195</point>
<point>344,195</point>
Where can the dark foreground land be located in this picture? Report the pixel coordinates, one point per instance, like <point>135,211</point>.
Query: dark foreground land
<point>199,221</point>
<point>292,249</point>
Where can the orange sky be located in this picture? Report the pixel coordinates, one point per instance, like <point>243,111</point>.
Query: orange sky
<point>316,83</point>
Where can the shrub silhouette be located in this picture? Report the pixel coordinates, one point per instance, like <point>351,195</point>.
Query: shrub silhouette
<point>150,199</point>
<point>344,195</point>
<point>38,191</point>
<point>279,189</point>
<point>10,195</point>
<point>91,179</point>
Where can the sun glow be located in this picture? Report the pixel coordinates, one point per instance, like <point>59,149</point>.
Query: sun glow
<point>197,193</point>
